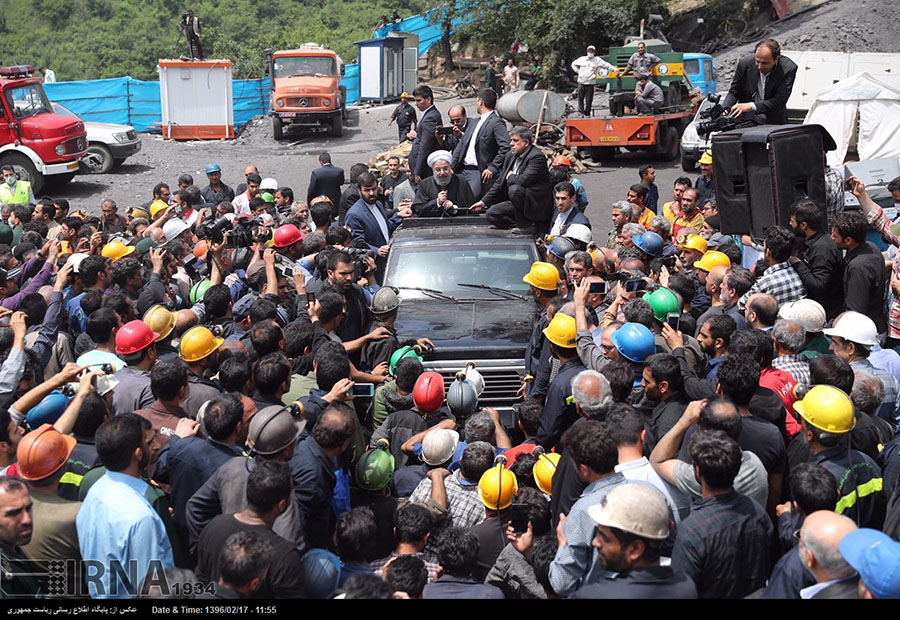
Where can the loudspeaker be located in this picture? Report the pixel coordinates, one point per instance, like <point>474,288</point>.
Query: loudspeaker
<point>764,170</point>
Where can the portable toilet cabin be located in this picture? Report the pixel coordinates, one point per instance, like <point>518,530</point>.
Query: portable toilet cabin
<point>196,99</point>
<point>380,69</point>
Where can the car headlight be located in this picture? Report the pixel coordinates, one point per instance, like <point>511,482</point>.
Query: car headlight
<point>121,137</point>
<point>662,69</point>
<point>60,149</point>
<point>326,102</point>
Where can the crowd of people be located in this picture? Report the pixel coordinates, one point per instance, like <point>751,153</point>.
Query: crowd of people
<point>702,417</point>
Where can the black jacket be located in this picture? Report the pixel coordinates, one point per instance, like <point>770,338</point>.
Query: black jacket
<point>864,277</point>
<point>773,109</point>
<point>647,583</point>
<point>425,143</point>
<point>425,203</point>
<point>534,177</point>
<point>491,145</point>
<point>325,181</point>
<point>314,480</point>
<point>821,271</point>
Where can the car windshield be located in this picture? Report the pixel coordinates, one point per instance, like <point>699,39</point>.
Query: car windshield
<point>305,65</point>
<point>27,100</point>
<point>444,268</point>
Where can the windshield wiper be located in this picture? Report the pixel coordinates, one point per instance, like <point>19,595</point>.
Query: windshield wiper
<point>493,289</point>
<point>429,291</point>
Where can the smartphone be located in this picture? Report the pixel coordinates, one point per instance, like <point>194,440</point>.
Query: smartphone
<point>597,288</point>
<point>310,298</point>
<point>634,286</point>
<point>673,319</point>
<point>362,390</point>
<point>518,516</point>
<point>445,131</point>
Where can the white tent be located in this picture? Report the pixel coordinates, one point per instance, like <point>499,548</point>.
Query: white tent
<point>874,104</point>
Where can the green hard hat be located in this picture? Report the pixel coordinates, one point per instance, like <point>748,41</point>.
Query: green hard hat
<point>199,290</point>
<point>663,301</point>
<point>399,354</point>
<point>375,468</point>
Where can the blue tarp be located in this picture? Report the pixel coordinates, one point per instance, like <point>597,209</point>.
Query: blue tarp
<point>428,33</point>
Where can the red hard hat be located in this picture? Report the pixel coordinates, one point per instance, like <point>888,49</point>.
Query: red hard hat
<point>561,160</point>
<point>134,336</point>
<point>286,235</point>
<point>428,393</point>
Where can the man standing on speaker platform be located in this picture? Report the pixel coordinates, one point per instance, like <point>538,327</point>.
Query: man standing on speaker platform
<point>819,262</point>
<point>705,186</point>
<point>762,85</point>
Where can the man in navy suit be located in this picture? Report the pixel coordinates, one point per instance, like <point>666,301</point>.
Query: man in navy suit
<point>426,141</point>
<point>326,180</point>
<point>566,213</point>
<point>522,195</point>
<point>367,222</point>
<point>762,85</point>
<point>480,153</point>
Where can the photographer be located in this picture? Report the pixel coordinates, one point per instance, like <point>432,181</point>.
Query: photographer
<point>156,290</point>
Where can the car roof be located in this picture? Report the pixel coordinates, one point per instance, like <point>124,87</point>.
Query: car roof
<point>454,230</point>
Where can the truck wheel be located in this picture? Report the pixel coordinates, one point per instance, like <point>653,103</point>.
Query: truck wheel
<point>58,180</point>
<point>687,164</point>
<point>26,170</point>
<point>277,128</point>
<point>103,156</point>
<point>672,145</point>
<point>337,126</point>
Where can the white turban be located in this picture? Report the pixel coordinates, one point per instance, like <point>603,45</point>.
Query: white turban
<point>439,155</point>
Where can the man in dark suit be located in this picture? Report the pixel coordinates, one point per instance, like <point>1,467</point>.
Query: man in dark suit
<point>819,548</point>
<point>762,85</point>
<point>367,222</point>
<point>426,141</point>
<point>326,180</point>
<point>522,196</point>
<point>566,213</point>
<point>480,153</point>
<point>443,193</point>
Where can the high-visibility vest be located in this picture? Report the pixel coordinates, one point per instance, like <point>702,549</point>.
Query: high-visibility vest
<point>19,196</point>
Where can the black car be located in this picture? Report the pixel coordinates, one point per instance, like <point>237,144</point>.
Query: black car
<point>461,286</point>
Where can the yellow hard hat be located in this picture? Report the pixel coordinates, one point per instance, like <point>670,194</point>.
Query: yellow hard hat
<point>404,95</point>
<point>114,250</point>
<point>198,342</point>
<point>827,408</point>
<point>694,242</point>
<point>157,208</point>
<point>161,320</point>
<point>544,470</point>
<point>543,276</point>
<point>137,212</point>
<point>561,331</point>
<point>497,487</point>
<point>706,158</point>
<point>712,259</point>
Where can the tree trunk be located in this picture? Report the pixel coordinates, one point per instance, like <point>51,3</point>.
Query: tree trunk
<point>445,44</point>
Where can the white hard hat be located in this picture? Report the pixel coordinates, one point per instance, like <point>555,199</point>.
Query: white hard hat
<point>635,508</point>
<point>854,327</point>
<point>173,228</point>
<point>75,260</point>
<point>268,183</point>
<point>809,313</point>
<point>474,377</point>
<point>579,232</point>
<point>439,445</point>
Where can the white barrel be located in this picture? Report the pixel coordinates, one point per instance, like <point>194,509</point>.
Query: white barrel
<point>524,106</point>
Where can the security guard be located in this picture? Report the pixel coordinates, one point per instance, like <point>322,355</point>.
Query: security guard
<point>13,191</point>
<point>544,281</point>
<point>559,407</point>
<point>405,115</point>
<point>827,419</point>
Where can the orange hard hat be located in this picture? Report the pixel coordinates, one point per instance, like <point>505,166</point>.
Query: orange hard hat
<point>43,451</point>
<point>561,160</point>
<point>201,249</point>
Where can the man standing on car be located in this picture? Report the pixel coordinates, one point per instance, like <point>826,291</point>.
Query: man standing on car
<point>480,153</point>
<point>425,142</point>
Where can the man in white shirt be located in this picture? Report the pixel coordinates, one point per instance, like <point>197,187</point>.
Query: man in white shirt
<point>586,68</point>
<point>478,157</point>
<point>241,202</point>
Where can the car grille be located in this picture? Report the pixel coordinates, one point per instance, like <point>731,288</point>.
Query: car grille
<point>75,146</point>
<point>500,384</point>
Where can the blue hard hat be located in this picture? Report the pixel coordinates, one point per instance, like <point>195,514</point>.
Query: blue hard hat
<point>210,168</point>
<point>560,246</point>
<point>634,342</point>
<point>649,243</point>
<point>48,411</point>
<point>321,572</point>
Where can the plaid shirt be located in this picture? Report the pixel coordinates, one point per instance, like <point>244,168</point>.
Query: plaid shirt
<point>834,193</point>
<point>793,365</point>
<point>465,507</point>
<point>879,221</point>
<point>431,564</point>
<point>723,546</point>
<point>781,282</point>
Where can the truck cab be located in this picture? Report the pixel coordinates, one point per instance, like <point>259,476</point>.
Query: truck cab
<point>306,90</point>
<point>699,69</point>
<point>40,144</point>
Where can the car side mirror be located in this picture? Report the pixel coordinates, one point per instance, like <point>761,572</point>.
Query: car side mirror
<point>342,70</point>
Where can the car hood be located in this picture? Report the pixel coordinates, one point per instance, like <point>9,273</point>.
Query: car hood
<point>91,127</point>
<point>51,125</point>
<point>488,328</point>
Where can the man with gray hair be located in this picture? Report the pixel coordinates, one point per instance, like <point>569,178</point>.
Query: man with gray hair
<point>870,431</point>
<point>629,231</point>
<point>663,227</point>
<point>592,395</point>
<point>819,548</point>
<point>621,215</point>
<point>789,337</point>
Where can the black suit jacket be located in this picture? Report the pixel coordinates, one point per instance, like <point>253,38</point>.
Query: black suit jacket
<point>773,109</point>
<point>325,181</point>
<point>425,143</point>
<point>533,177</point>
<point>491,147</point>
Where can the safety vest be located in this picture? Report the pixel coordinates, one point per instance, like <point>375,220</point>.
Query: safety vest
<point>17,197</point>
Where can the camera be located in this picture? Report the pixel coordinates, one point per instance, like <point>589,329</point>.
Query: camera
<point>194,267</point>
<point>360,255</point>
<point>717,119</point>
<point>215,230</point>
